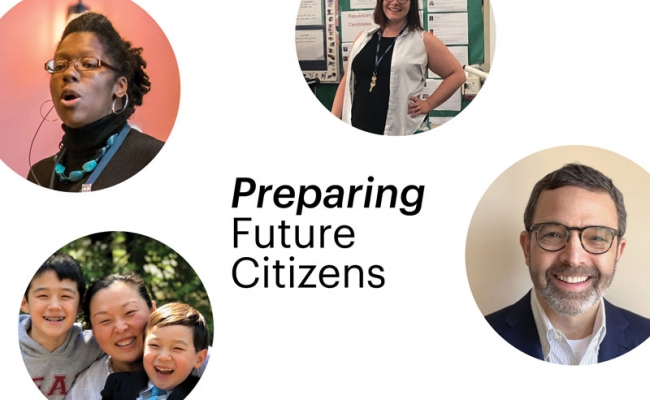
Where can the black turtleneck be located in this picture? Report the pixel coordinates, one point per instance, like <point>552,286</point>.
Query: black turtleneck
<point>83,144</point>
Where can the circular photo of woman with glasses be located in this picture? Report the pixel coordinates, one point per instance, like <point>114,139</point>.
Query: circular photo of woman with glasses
<point>555,259</point>
<point>81,132</point>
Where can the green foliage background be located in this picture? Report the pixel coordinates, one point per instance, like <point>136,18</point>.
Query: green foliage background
<point>166,274</point>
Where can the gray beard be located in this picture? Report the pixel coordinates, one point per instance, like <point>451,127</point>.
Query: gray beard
<point>572,303</point>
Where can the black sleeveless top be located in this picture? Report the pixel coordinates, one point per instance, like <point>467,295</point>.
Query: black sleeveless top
<point>369,109</point>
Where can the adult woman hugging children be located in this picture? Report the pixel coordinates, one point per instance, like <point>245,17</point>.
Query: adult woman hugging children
<point>129,336</point>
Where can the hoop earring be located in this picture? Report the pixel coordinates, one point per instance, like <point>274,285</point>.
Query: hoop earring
<point>126,103</point>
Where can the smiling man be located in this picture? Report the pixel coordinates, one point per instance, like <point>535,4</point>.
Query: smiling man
<point>575,221</point>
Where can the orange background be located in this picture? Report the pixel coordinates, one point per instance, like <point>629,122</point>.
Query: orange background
<point>29,34</point>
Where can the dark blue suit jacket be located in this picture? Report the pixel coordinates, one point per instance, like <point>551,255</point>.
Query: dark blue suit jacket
<point>515,323</point>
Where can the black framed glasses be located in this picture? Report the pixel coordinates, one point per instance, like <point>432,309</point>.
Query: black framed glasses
<point>399,1</point>
<point>81,64</point>
<point>554,237</point>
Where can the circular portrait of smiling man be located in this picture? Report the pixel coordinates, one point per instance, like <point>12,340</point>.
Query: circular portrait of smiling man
<point>573,238</point>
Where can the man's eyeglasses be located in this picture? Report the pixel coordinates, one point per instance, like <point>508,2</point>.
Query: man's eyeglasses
<point>554,237</point>
<point>81,64</point>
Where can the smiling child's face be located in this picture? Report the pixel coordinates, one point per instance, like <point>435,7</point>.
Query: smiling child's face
<point>53,305</point>
<point>170,356</point>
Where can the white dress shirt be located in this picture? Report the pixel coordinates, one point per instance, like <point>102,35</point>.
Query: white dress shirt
<point>557,348</point>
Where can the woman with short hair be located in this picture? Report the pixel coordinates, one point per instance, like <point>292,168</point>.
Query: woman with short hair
<point>97,80</point>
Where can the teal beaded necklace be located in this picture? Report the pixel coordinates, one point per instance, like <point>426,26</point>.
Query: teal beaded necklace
<point>86,168</point>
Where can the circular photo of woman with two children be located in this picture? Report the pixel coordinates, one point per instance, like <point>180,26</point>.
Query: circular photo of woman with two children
<point>115,315</point>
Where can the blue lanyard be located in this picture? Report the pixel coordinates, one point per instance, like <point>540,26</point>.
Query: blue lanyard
<point>377,58</point>
<point>87,186</point>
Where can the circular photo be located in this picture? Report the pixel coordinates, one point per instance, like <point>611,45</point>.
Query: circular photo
<point>395,67</point>
<point>94,89</point>
<point>115,313</point>
<point>556,258</point>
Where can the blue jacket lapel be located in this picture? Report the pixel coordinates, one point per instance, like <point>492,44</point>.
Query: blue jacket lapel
<point>516,325</point>
<point>616,341</point>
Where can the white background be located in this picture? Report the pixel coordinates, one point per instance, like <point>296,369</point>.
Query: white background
<point>564,73</point>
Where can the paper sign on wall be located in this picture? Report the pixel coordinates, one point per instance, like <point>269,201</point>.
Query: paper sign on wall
<point>310,13</point>
<point>451,28</point>
<point>353,22</point>
<point>310,45</point>
<point>446,5</point>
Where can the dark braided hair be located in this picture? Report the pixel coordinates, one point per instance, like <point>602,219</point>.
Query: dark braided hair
<point>126,59</point>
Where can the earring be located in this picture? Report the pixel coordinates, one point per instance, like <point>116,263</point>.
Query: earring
<point>126,103</point>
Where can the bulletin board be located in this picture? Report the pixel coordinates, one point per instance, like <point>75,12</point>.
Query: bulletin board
<point>316,40</point>
<point>458,23</point>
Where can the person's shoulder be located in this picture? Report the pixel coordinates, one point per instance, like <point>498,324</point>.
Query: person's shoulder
<point>142,137</point>
<point>98,369</point>
<point>145,145</point>
<point>24,319</point>
<point>429,39</point>
<point>76,333</point>
<point>191,381</point>
<point>511,315</point>
<point>184,388</point>
<point>24,323</point>
<point>40,172</point>
<point>629,321</point>
<point>90,382</point>
<point>497,319</point>
<point>84,339</point>
<point>499,314</point>
<point>45,162</point>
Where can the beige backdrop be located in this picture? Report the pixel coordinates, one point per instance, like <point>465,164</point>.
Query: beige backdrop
<point>496,270</point>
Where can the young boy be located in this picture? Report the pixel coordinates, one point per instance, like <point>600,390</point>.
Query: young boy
<point>176,342</point>
<point>55,349</point>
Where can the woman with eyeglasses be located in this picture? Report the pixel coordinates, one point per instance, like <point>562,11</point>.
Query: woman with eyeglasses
<point>380,90</point>
<point>97,80</point>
